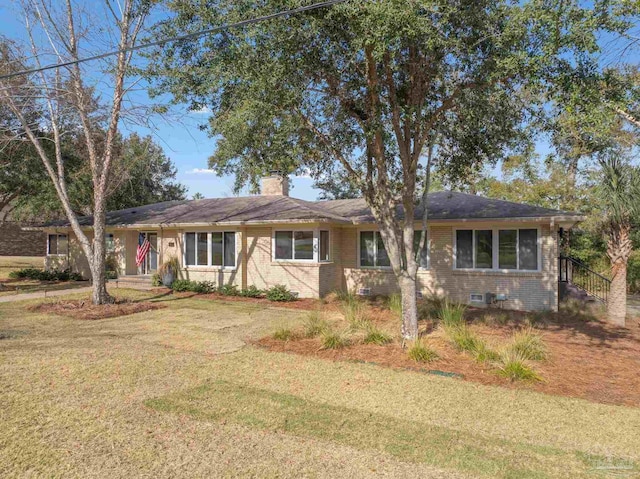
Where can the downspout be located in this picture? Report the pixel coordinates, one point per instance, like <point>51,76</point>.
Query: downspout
<point>243,256</point>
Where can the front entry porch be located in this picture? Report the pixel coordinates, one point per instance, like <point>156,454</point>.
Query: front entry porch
<point>150,264</point>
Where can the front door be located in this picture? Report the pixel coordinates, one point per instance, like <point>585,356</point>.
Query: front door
<point>150,264</point>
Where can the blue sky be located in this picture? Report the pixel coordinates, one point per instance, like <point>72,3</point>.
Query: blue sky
<point>186,144</point>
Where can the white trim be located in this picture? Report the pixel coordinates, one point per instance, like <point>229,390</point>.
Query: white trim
<point>495,244</point>
<point>315,245</point>
<point>57,235</point>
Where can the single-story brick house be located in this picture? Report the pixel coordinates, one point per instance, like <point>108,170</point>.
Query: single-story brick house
<point>476,245</point>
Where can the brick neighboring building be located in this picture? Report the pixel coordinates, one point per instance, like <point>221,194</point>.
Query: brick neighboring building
<point>476,245</point>
<point>15,241</point>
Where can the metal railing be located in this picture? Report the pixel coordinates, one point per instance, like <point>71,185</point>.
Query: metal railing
<point>573,271</point>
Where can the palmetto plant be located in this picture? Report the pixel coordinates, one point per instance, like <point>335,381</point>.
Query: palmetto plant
<point>620,196</point>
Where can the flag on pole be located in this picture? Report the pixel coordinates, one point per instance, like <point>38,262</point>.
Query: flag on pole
<point>143,248</point>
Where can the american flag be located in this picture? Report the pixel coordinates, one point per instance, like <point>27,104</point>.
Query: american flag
<point>143,248</point>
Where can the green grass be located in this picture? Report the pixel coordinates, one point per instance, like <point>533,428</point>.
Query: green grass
<point>451,314</point>
<point>529,345</point>
<point>513,366</point>
<point>315,324</point>
<point>334,339</point>
<point>405,439</point>
<point>374,335</point>
<point>484,353</point>
<point>462,338</point>
<point>14,263</point>
<point>283,334</point>
<point>419,351</point>
<point>395,304</point>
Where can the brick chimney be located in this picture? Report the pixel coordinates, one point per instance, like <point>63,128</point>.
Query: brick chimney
<point>276,184</point>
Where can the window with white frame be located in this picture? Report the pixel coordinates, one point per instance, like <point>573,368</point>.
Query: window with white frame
<point>57,245</point>
<point>295,245</point>
<point>210,249</point>
<point>373,253</point>
<point>500,249</point>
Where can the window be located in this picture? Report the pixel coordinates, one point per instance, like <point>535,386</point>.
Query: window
<point>421,256</point>
<point>324,246</point>
<point>210,249</point>
<point>109,243</point>
<point>57,245</point>
<point>516,249</point>
<point>294,245</point>
<point>373,254</point>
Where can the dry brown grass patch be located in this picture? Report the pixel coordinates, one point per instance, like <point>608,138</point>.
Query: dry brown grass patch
<point>83,309</point>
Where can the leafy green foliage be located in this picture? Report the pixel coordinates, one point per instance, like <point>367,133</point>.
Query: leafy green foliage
<point>200,287</point>
<point>420,352</point>
<point>280,293</point>
<point>228,290</point>
<point>45,275</point>
<point>251,292</point>
<point>156,280</point>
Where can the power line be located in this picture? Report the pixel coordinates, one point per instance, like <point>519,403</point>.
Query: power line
<point>188,36</point>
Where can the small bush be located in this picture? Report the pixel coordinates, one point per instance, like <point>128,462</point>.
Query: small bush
<point>451,314</point>
<point>420,352</point>
<point>200,287</point>
<point>334,340</point>
<point>283,334</point>
<point>373,335</point>
<point>395,304</point>
<point>280,293</point>
<point>228,290</point>
<point>250,292</point>
<point>513,366</point>
<point>44,275</point>
<point>529,345</point>
<point>156,280</point>
<point>315,324</point>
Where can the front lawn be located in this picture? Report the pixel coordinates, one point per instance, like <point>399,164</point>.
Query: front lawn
<point>177,392</point>
<point>13,263</point>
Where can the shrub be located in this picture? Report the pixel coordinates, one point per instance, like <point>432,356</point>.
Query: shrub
<point>280,293</point>
<point>228,290</point>
<point>529,345</point>
<point>156,280</point>
<point>451,314</point>
<point>250,292</point>
<point>200,287</point>
<point>420,352</point>
<point>315,324</point>
<point>395,304</point>
<point>43,275</point>
<point>334,340</point>
<point>373,335</point>
<point>513,366</point>
<point>283,334</point>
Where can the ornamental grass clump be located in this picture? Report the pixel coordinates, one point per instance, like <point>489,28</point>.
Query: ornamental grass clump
<point>374,335</point>
<point>514,366</point>
<point>451,314</point>
<point>334,339</point>
<point>315,324</point>
<point>529,345</point>
<point>283,334</point>
<point>395,304</point>
<point>420,352</point>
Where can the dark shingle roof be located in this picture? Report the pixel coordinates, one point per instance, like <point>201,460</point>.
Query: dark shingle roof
<point>271,209</point>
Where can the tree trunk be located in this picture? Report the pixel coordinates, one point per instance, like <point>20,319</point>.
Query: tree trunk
<point>617,302</point>
<point>97,262</point>
<point>409,307</point>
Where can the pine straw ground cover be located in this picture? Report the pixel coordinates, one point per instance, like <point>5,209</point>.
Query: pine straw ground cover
<point>84,309</point>
<point>587,358</point>
<point>176,393</point>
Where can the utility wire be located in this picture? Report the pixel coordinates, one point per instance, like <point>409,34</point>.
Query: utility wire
<point>188,36</point>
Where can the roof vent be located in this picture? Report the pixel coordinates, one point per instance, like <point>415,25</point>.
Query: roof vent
<point>276,184</point>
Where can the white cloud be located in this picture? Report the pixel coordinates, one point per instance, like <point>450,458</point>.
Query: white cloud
<point>201,171</point>
<point>204,110</point>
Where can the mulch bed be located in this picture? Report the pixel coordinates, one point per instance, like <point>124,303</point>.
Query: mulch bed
<point>79,309</point>
<point>589,359</point>
<point>306,304</point>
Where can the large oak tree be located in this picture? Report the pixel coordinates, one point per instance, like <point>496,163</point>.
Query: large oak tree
<point>366,88</point>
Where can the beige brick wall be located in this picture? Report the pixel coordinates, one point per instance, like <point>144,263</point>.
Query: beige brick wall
<point>528,291</point>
